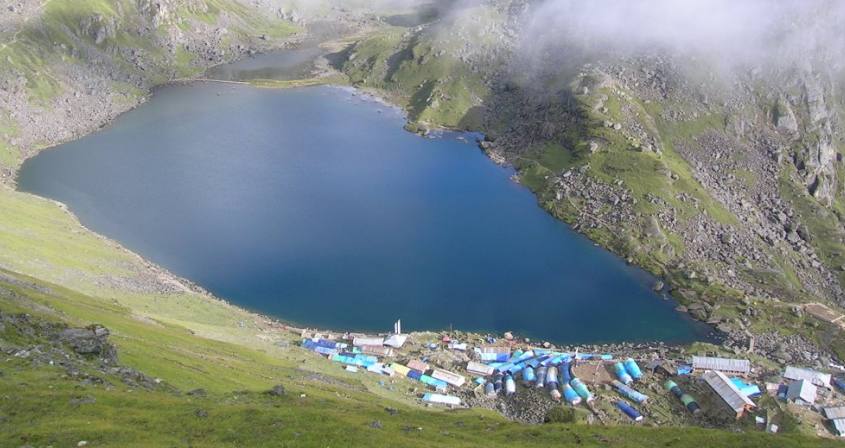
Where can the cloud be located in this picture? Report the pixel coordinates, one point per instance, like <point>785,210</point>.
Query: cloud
<point>731,32</point>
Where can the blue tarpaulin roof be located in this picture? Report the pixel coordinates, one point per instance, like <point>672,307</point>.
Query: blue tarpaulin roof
<point>749,390</point>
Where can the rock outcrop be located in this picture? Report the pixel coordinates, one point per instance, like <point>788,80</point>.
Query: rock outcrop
<point>92,340</point>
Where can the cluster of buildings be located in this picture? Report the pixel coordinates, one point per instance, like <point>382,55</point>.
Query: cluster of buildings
<point>495,369</point>
<point>799,386</point>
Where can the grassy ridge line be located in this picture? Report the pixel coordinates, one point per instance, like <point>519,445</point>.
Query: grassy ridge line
<point>293,83</point>
<point>419,73</point>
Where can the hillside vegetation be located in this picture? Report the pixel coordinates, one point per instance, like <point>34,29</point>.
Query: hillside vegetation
<point>185,389</point>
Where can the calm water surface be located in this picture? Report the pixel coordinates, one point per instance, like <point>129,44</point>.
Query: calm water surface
<point>280,65</point>
<point>314,205</point>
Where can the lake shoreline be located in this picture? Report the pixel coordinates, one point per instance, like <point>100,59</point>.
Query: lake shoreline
<point>191,286</point>
<point>358,98</point>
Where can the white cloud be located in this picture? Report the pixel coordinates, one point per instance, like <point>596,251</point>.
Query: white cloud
<point>745,32</point>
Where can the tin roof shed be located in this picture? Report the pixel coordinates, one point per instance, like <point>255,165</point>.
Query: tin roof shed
<point>725,365</point>
<point>450,377</point>
<point>727,391</point>
<point>364,340</point>
<point>838,426</point>
<point>396,340</point>
<point>477,368</point>
<point>802,392</point>
<point>817,378</point>
<point>418,365</point>
<point>833,413</point>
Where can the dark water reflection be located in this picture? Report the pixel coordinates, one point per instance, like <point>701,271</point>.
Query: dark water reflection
<point>314,205</point>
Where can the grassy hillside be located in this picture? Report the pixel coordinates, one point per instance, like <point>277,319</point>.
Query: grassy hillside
<point>426,70</point>
<point>43,404</point>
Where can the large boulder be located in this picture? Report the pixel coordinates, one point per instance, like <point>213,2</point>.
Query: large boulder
<point>277,390</point>
<point>92,340</point>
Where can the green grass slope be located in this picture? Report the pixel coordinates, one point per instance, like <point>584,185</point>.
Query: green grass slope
<point>42,404</point>
<point>425,69</point>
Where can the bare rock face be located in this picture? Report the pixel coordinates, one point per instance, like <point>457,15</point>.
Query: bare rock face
<point>785,117</point>
<point>158,11</point>
<point>162,12</point>
<point>821,175</point>
<point>99,28</point>
<point>817,163</point>
<point>291,15</point>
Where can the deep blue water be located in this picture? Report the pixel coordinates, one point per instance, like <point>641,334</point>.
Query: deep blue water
<point>315,206</point>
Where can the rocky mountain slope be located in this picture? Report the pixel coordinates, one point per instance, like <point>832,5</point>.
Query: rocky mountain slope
<point>727,183</point>
<point>69,67</point>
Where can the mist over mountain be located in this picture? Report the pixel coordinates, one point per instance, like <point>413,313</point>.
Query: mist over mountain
<point>729,33</point>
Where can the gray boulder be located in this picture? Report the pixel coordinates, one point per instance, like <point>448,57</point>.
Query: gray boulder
<point>92,340</point>
<point>277,390</point>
